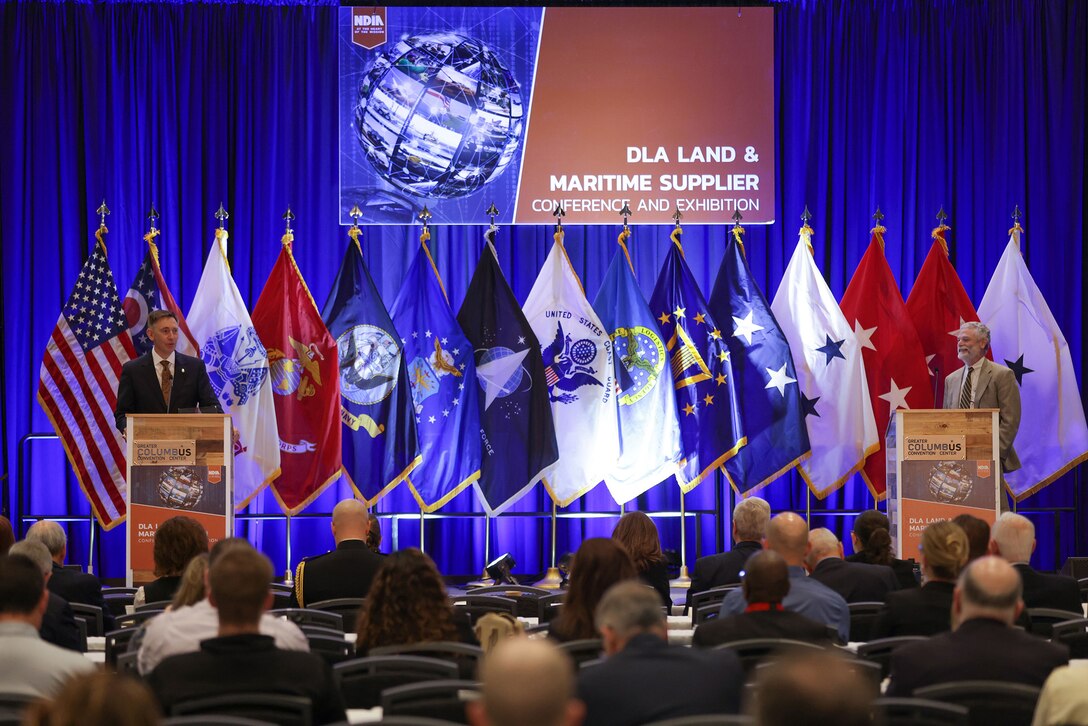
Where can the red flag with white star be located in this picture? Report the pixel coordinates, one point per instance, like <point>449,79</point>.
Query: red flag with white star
<point>895,368</point>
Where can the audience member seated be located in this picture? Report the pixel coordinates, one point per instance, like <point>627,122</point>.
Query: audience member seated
<point>526,683</point>
<point>180,629</point>
<point>855,581</point>
<point>1064,699</point>
<point>192,588</point>
<point>978,535</point>
<point>813,690</point>
<point>637,534</point>
<point>597,565</point>
<point>72,585</point>
<point>30,665</point>
<point>7,535</point>
<point>750,518</point>
<point>408,604</point>
<point>983,644</point>
<point>374,535</point>
<point>240,659</point>
<point>59,622</point>
<point>872,544</point>
<point>346,571</point>
<point>927,610</point>
<point>643,678</point>
<point>97,698</point>
<point>177,540</point>
<point>1013,539</point>
<point>787,534</point>
<point>766,583</point>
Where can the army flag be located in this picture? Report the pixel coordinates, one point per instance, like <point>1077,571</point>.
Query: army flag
<point>939,307</point>
<point>579,374</point>
<point>442,376</point>
<point>237,365</point>
<point>649,433</point>
<point>895,369</point>
<point>375,398</point>
<point>770,410</point>
<point>304,369</point>
<point>1024,336</point>
<point>149,292</point>
<point>701,372</point>
<point>517,435</point>
<point>834,394</point>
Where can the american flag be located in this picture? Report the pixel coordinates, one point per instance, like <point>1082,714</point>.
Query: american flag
<point>78,385</point>
<point>149,292</point>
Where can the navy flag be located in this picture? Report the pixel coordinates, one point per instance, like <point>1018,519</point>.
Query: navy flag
<point>517,434</point>
<point>771,415</point>
<point>380,447</point>
<point>700,369</point>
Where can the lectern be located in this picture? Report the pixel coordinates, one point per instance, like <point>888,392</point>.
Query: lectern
<point>941,463</point>
<point>176,464</point>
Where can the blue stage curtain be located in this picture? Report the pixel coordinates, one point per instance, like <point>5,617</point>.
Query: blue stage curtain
<point>909,105</point>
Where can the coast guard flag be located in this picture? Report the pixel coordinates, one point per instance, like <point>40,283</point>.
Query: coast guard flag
<point>149,292</point>
<point>771,414</point>
<point>648,428</point>
<point>238,368</point>
<point>895,369</point>
<point>442,375</point>
<point>1025,337</point>
<point>578,371</point>
<point>375,397</point>
<point>517,436</point>
<point>700,369</point>
<point>834,395</point>
<point>77,385</point>
<point>303,366</point>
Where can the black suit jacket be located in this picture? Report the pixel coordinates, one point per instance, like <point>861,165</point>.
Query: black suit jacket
<point>979,650</point>
<point>59,624</point>
<point>1049,591</point>
<point>917,611</point>
<point>855,581</point>
<point>761,624</point>
<point>722,569</point>
<point>903,569</point>
<point>81,587</point>
<point>140,391</point>
<point>347,571</point>
<point>657,577</point>
<point>649,680</point>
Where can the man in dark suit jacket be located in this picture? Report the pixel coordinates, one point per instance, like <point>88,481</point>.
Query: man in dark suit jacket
<point>766,584</point>
<point>348,570</point>
<point>983,645</point>
<point>59,622</point>
<point>145,381</point>
<point>855,581</point>
<point>750,518</point>
<point>72,585</point>
<point>1013,539</point>
<point>644,679</point>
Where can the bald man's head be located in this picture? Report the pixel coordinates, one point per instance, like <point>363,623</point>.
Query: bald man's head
<point>766,578</point>
<point>350,520</point>
<point>990,588</point>
<point>787,534</point>
<point>526,683</point>
<point>822,544</point>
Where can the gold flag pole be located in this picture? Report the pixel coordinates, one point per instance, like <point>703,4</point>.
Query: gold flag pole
<point>684,580</point>
<point>424,218</point>
<point>624,236</point>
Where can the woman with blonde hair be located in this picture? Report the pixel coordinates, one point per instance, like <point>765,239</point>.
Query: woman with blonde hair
<point>637,534</point>
<point>928,610</point>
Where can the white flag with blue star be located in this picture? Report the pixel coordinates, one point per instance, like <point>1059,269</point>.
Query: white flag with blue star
<point>834,393</point>
<point>1024,336</point>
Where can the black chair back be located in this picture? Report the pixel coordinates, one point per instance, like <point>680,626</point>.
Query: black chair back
<point>863,616</point>
<point>547,606</point>
<point>918,712</point>
<point>10,718</point>
<point>332,648</point>
<point>134,620</point>
<point>436,699</point>
<point>714,719</point>
<point>269,707</point>
<point>988,702</point>
<point>118,599</point>
<point>880,651</point>
<point>756,650</point>
<point>581,651</point>
<point>117,642</point>
<point>347,607</point>
<point>467,657</point>
<point>158,605</point>
<point>362,680</point>
<point>16,702</point>
<point>1082,583</point>
<point>474,606</point>
<point>1043,620</point>
<point>127,663</point>
<point>81,634</point>
<point>91,615</point>
<point>703,613</point>
<point>707,598</point>
<point>1073,633</point>
<point>526,596</point>
<point>299,616</point>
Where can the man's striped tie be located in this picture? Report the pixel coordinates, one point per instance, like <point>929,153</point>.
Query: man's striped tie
<point>965,394</point>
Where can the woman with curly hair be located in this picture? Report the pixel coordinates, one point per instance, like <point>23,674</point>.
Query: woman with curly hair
<point>598,565</point>
<point>637,534</point>
<point>177,541</point>
<point>873,545</point>
<point>407,604</point>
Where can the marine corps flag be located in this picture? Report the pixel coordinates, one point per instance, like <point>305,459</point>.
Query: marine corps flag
<point>578,371</point>
<point>701,372</point>
<point>375,398</point>
<point>303,365</point>
<point>517,436</point>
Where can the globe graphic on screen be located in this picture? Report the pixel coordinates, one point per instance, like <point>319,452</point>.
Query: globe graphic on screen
<point>439,115</point>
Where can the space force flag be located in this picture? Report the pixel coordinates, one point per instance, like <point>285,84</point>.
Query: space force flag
<point>375,399</point>
<point>701,372</point>
<point>1052,437</point>
<point>149,292</point>
<point>578,371</point>
<point>770,411</point>
<point>834,395</point>
<point>442,376</point>
<point>649,433</point>
<point>517,436</point>
<point>238,368</point>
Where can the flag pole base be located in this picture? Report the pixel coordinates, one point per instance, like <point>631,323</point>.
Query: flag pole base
<point>484,581</point>
<point>683,581</point>
<point>552,580</point>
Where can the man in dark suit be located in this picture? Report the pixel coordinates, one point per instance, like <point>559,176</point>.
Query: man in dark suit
<point>750,518</point>
<point>644,679</point>
<point>58,624</point>
<point>163,380</point>
<point>766,584</point>
<point>855,581</point>
<point>1013,539</point>
<point>983,645</point>
<point>72,585</point>
<point>346,571</point>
